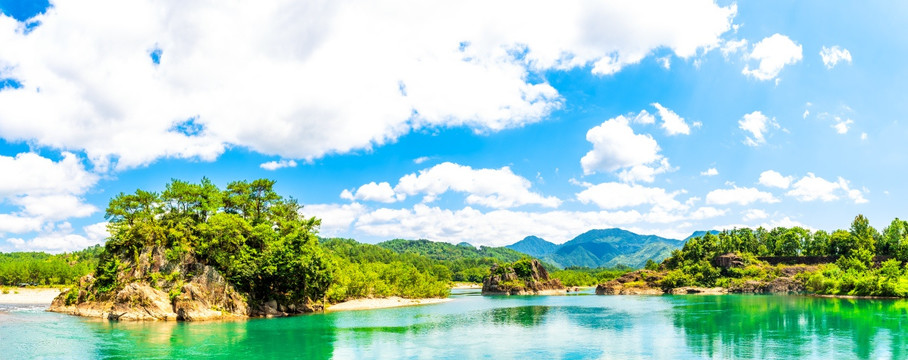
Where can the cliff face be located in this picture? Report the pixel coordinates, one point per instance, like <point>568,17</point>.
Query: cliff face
<point>153,287</point>
<point>534,280</point>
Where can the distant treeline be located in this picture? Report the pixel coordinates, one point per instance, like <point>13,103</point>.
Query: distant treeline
<point>853,273</point>
<point>40,268</point>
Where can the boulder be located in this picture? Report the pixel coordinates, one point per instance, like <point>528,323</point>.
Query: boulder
<point>729,260</point>
<point>641,282</point>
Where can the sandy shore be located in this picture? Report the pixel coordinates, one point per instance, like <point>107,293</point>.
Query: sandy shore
<point>466,286</point>
<point>390,302</point>
<point>28,296</point>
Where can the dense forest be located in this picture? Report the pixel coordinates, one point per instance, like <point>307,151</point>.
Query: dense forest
<point>38,268</point>
<point>867,262</point>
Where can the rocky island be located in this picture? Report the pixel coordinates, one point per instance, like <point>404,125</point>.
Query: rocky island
<point>523,277</point>
<point>196,252</point>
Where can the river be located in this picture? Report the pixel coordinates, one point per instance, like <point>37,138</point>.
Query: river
<point>582,326</point>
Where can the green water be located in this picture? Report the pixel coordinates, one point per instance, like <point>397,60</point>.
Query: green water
<point>476,327</point>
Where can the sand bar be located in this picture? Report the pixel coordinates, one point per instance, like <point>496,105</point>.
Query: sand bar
<point>28,296</point>
<point>382,303</point>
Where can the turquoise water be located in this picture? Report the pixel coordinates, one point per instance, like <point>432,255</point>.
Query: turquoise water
<point>581,326</point>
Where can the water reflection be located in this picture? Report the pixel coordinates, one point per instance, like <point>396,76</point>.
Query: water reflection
<point>564,327</point>
<point>796,326</point>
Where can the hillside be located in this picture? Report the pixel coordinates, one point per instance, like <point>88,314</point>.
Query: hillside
<point>601,248</point>
<point>447,251</point>
<point>533,246</point>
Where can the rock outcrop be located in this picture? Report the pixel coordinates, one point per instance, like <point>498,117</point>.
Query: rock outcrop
<point>506,281</point>
<point>641,282</point>
<point>152,287</point>
<point>727,261</point>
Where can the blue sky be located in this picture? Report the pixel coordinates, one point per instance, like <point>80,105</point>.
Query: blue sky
<point>461,121</point>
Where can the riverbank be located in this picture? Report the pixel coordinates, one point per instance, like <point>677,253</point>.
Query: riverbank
<point>383,303</point>
<point>28,296</point>
<point>466,285</point>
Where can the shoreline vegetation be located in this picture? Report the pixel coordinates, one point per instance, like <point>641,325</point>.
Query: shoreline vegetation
<point>859,262</point>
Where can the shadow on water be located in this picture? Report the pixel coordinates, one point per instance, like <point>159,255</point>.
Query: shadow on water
<point>793,326</point>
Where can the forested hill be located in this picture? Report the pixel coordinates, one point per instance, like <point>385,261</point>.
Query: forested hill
<point>601,248</point>
<point>534,246</point>
<point>38,268</point>
<point>446,251</point>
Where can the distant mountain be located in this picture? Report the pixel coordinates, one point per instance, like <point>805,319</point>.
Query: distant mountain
<point>533,246</point>
<point>600,248</point>
<point>700,233</point>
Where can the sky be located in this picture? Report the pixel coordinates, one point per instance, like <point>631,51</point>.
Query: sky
<point>455,121</point>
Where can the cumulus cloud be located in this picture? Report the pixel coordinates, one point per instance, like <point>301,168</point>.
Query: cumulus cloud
<point>381,192</point>
<point>290,78</point>
<point>710,172</point>
<point>773,53</point>
<point>833,55</point>
<point>731,47</point>
<point>754,214</point>
<point>773,178</point>
<point>43,191</point>
<point>616,146</point>
<point>274,165</point>
<point>758,125</point>
<point>62,239</point>
<point>495,188</point>
<point>739,195</point>
<point>671,122</point>
<point>812,188</point>
<point>613,195</point>
<point>336,218</point>
<point>841,126</point>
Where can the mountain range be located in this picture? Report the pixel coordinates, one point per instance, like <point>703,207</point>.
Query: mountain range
<point>602,248</point>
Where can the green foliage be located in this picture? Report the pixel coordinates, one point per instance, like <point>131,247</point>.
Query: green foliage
<point>854,273</point>
<point>580,276</point>
<point>364,270</point>
<point>46,269</point>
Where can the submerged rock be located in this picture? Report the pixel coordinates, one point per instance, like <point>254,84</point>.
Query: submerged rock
<point>505,281</point>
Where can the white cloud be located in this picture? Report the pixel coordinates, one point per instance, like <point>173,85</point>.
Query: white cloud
<point>812,188</point>
<point>54,207</point>
<point>732,46</point>
<point>841,126</point>
<point>739,195</point>
<point>773,178</point>
<point>381,192</point>
<point>665,61</point>
<point>613,195</point>
<point>421,160</point>
<point>644,117</point>
<point>754,214</point>
<point>645,173</point>
<point>707,212</point>
<point>710,172</point>
<point>37,175</point>
<point>833,55</point>
<point>671,122</point>
<point>758,125</point>
<point>336,218</point>
<point>616,146</point>
<point>495,188</point>
<point>863,136</point>
<point>62,239</point>
<point>805,114</point>
<point>301,80</point>
<point>773,53</point>
<point>274,165</point>
<point>43,191</point>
